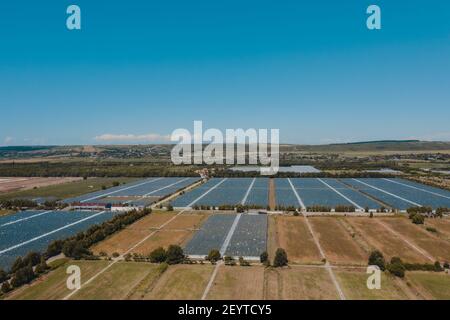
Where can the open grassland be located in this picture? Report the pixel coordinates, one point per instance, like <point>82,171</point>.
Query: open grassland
<point>145,286</point>
<point>163,238</point>
<point>118,282</point>
<point>187,221</point>
<point>292,234</point>
<point>123,240</point>
<point>152,221</point>
<point>178,232</point>
<point>25,183</point>
<point>431,285</point>
<point>441,225</point>
<point>354,284</point>
<point>66,190</point>
<point>238,283</point>
<point>181,282</point>
<point>381,239</point>
<point>299,283</point>
<point>52,286</point>
<point>439,249</point>
<point>339,246</point>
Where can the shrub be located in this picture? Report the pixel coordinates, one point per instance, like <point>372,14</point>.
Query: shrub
<point>229,261</point>
<point>175,254</point>
<point>3,275</point>
<point>169,207</point>
<point>213,255</point>
<point>431,229</point>
<point>6,287</point>
<point>158,255</point>
<point>397,269</point>
<point>446,265</point>
<point>243,262</point>
<point>115,255</point>
<point>438,267</point>
<point>264,257</point>
<point>281,258</point>
<point>22,276</point>
<point>376,259</point>
<point>18,264</point>
<point>418,219</point>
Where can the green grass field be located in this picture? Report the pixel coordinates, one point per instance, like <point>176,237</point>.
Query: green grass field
<point>119,281</point>
<point>433,285</point>
<point>67,190</point>
<point>52,286</point>
<point>354,285</point>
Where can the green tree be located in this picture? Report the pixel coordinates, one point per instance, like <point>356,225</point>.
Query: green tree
<point>396,267</point>
<point>376,259</point>
<point>6,287</point>
<point>281,258</point>
<point>213,256</point>
<point>3,275</point>
<point>418,219</point>
<point>18,264</point>
<point>264,257</point>
<point>22,276</point>
<point>175,254</point>
<point>41,267</point>
<point>158,255</point>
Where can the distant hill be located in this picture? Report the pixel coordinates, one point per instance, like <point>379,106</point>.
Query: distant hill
<point>367,146</point>
<point>163,150</point>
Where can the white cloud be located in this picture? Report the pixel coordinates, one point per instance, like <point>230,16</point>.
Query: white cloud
<point>151,137</point>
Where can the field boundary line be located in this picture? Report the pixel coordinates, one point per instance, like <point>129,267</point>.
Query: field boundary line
<point>300,201</point>
<point>137,244</point>
<point>389,193</point>
<point>123,189</point>
<point>339,193</point>
<point>409,243</point>
<point>248,191</point>
<point>211,280</point>
<point>417,188</point>
<point>26,218</point>
<point>49,233</point>
<point>227,240</point>
<point>205,193</point>
<point>151,192</point>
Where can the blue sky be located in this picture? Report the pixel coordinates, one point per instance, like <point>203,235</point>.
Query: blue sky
<point>144,68</point>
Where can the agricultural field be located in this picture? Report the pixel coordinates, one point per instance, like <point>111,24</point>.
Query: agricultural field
<point>338,244</point>
<point>353,283</point>
<point>433,246</point>
<point>229,191</point>
<point>430,285</point>
<point>181,282</point>
<point>442,227</point>
<point>138,190</point>
<point>299,283</point>
<point>66,190</point>
<point>35,230</point>
<point>292,234</point>
<point>381,239</point>
<point>232,234</point>
<point>361,193</point>
<point>24,183</point>
<point>163,227</point>
<point>52,286</point>
<point>236,283</point>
